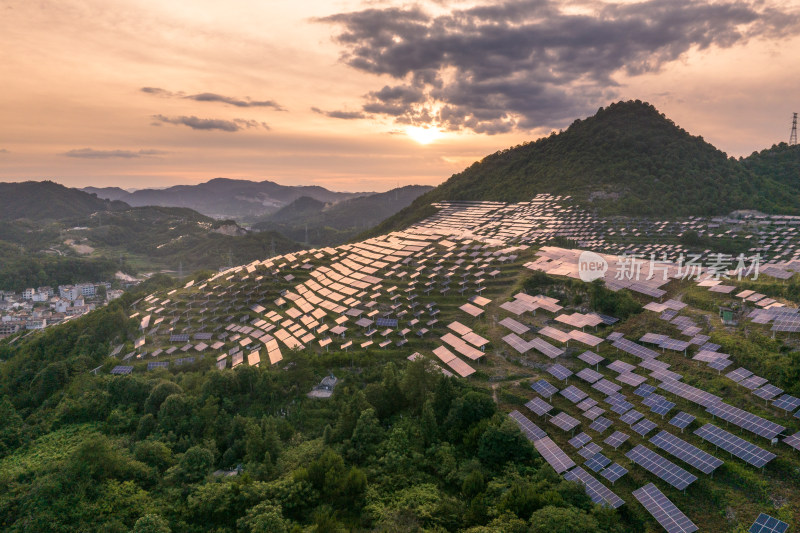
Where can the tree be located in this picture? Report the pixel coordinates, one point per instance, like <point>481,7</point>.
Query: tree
<point>503,443</point>
<point>552,519</point>
<point>266,517</point>
<point>194,464</point>
<point>151,523</point>
<point>367,435</point>
<point>160,393</point>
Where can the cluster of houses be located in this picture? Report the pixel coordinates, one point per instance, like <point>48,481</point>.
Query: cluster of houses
<point>37,308</point>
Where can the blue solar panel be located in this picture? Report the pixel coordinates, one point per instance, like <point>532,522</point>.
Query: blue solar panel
<point>681,420</point>
<point>597,462</point>
<point>767,524</point>
<point>544,388</point>
<point>386,322</point>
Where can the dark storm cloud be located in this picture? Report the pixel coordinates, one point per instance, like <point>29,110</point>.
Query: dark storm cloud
<point>91,153</point>
<point>345,115</point>
<point>212,97</point>
<point>196,123</point>
<point>527,64</point>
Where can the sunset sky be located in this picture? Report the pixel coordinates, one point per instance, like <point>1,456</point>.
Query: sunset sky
<point>367,95</point>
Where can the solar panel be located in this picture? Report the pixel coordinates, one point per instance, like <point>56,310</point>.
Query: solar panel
<point>686,452</point>
<point>693,394</point>
<point>661,467</point>
<point>664,511</point>
<point>739,374</point>
<point>621,406</point>
<point>563,421</point>
<point>767,392</point>
<point>587,403</point>
<point>644,390</point>
<point>589,375</point>
<point>614,472</point>
<point>787,402</point>
<point>744,450</point>
<point>620,366</point>
<point>599,493</point>
<point>594,412</point>
<point>746,420</point>
<point>579,440</point>
<point>631,417</point>
<point>681,420</point>
<point>554,455</point>
<point>559,371</point>
<point>539,406</point>
<point>720,364</point>
<point>600,424</point>
<point>616,439</point>
<point>386,322</point>
<point>662,408</point>
<point>597,462</point>
<point>528,428</point>
<point>590,450</point>
<point>767,524</point>
<point>183,337</point>
<point>635,349</point>
<point>573,394</point>
<point>644,426</point>
<point>544,388</point>
<point>753,382</point>
<point>606,387</point>
<point>629,378</point>
<point>793,441</point>
<point>590,358</point>
<point>120,370</point>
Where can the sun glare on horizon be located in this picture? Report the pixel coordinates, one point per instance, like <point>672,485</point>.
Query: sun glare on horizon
<point>423,135</point>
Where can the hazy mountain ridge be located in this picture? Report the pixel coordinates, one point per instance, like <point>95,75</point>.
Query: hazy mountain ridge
<point>333,223</point>
<point>223,197</point>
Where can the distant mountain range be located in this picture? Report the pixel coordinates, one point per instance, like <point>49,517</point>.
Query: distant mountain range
<point>628,159</point>
<point>332,223</point>
<point>224,198</point>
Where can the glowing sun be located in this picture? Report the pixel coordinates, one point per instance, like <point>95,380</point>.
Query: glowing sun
<point>423,135</point>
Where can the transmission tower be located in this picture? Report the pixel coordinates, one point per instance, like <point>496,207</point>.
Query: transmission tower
<point>793,136</point>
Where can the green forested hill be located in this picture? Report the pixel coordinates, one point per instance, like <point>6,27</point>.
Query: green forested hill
<point>780,163</point>
<point>47,200</point>
<point>94,239</point>
<point>628,159</point>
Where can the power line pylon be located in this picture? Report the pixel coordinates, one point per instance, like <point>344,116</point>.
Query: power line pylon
<point>793,136</point>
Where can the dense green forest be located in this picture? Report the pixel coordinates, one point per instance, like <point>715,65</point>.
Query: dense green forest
<point>397,448</point>
<point>20,270</point>
<point>627,159</point>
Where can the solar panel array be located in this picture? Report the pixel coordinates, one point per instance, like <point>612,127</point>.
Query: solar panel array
<point>531,431</point>
<point>563,421</point>
<point>599,493</point>
<point>664,511</point>
<point>746,420</point>
<point>661,467</point>
<point>689,454</point>
<point>554,455</point>
<point>744,450</point>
